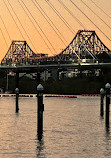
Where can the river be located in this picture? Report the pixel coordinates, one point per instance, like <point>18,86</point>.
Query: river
<point>73,128</point>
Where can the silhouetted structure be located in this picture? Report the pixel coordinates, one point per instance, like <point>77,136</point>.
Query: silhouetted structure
<point>85,47</point>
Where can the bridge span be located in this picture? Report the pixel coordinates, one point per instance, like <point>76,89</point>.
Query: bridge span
<point>32,68</point>
<point>85,52</point>
<point>86,45</point>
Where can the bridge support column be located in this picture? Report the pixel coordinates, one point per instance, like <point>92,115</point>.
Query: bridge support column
<point>55,74</point>
<point>17,79</point>
<point>38,77</point>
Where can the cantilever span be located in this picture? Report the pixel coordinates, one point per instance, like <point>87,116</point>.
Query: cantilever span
<point>85,46</point>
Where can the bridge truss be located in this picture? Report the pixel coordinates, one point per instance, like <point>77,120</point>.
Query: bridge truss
<point>85,45</point>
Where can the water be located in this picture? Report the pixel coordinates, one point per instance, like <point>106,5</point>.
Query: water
<point>73,128</point>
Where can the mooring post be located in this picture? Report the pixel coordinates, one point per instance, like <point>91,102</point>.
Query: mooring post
<point>17,96</point>
<point>40,110</point>
<point>102,93</point>
<point>107,86</point>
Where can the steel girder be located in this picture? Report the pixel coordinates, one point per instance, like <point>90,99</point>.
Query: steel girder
<point>85,45</point>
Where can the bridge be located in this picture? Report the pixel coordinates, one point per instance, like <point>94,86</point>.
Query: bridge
<point>86,47</point>
<point>85,52</point>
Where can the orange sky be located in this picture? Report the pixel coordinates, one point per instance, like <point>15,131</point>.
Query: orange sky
<point>14,29</point>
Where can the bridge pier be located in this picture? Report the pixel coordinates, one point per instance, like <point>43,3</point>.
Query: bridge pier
<point>38,77</point>
<point>17,79</point>
<point>55,74</point>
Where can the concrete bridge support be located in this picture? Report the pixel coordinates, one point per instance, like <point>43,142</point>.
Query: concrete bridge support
<point>17,79</point>
<point>55,74</point>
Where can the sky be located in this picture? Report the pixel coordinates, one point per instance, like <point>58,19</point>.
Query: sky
<point>49,26</point>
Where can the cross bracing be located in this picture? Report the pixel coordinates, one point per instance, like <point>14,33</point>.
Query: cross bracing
<point>85,45</point>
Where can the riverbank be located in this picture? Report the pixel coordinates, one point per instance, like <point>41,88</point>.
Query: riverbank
<point>66,86</point>
<point>74,86</point>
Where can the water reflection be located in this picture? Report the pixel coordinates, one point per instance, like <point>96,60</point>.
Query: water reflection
<point>107,129</point>
<point>101,117</point>
<point>72,128</point>
<point>40,146</point>
<point>40,135</point>
<point>17,114</point>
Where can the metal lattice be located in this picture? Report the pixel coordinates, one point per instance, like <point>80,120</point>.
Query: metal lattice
<point>85,45</point>
<point>20,53</point>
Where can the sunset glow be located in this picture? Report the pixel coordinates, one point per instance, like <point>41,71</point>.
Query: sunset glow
<point>49,26</point>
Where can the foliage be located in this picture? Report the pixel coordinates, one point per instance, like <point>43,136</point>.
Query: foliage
<point>76,85</point>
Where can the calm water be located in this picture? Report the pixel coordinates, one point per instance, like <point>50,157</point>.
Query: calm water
<point>72,129</point>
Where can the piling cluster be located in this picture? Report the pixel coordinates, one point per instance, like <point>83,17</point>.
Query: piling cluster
<point>40,108</point>
<point>106,93</point>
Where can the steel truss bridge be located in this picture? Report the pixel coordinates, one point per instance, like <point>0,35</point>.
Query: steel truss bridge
<point>86,46</point>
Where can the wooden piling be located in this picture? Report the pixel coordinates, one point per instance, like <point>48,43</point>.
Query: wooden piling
<point>102,93</point>
<point>40,110</point>
<point>17,98</point>
<point>107,86</point>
